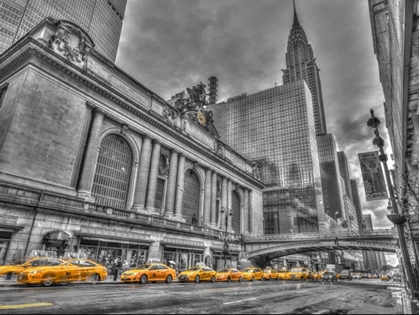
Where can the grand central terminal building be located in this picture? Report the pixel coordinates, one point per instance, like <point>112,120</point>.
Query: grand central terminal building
<point>92,162</point>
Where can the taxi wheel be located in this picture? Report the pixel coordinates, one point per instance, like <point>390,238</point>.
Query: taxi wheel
<point>213,279</point>
<point>169,279</point>
<point>277,278</point>
<point>64,280</point>
<point>94,278</point>
<point>228,279</point>
<point>48,280</point>
<point>240,279</point>
<point>197,279</point>
<point>143,279</point>
<point>253,278</point>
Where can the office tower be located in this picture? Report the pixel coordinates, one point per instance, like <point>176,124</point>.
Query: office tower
<point>213,87</point>
<point>102,19</point>
<point>357,203</point>
<point>330,176</point>
<point>300,62</point>
<point>345,173</point>
<point>351,215</point>
<point>275,129</point>
<point>367,220</point>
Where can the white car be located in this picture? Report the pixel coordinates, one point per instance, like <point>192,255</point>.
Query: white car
<point>357,276</point>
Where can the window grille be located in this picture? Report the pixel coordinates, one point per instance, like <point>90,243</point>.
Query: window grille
<point>236,210</point>
<point>190,200</point>
<point>113,172</point>
<point>159,193</point>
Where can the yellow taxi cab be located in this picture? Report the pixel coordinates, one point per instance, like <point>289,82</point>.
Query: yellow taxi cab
<point>252,273</point>
<point>152,272</point>
<point>229,274</point>
<point>297,273</point>
<point>384,278</point>
<point>197,274</point>
<point>17,268</point>
<point>337,274</point>
<point>316,275</point>
<point>270,273</point>
<point>281,274</point>
<point>53,270</point>
<point>90,270</point>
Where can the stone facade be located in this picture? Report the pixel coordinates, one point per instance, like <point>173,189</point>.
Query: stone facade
<point>88,151</point>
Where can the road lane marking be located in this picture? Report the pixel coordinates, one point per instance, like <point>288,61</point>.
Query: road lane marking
<point>7,307</point>
<point>240,301</point>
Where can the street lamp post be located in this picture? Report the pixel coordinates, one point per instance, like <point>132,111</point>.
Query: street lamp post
<point>395,217</point>
<point>226,245</point>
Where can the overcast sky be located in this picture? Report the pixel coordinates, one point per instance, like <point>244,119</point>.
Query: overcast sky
<point>169,45</point>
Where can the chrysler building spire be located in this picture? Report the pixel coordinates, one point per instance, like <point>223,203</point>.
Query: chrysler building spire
<point>301,64</point>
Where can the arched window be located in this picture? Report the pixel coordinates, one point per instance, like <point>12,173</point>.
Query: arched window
<point>236,211</point>
<point>113,172</point>
<point>190,202</point>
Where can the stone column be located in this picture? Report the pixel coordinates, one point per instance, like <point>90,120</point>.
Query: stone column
<point>213,215</point>
<point>224,203</point>
<point>245,218</point>
<point>207,197</point>
<point>180,186</point>
<point>91,158</point>
<point>170,194</point>
<point>151,191</point>
<point>229,203</point>
<point>242,211</point>
<point>142,176</point>
<point>251,228</point>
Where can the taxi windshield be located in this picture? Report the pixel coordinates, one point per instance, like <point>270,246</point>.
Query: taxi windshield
<point>267,271</point>
<point>193,269</point>
<point>296,270</point>
<point>224,270</point>
<point>142,267</point>
<point>248,270</point>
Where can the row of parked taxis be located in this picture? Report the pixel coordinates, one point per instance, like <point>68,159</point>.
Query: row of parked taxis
<point>47,271</point>
<point>159,272</point>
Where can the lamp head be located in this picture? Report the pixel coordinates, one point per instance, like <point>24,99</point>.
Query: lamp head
<point>230,213</point>
<point>373,122</point>
<point>222,210</point>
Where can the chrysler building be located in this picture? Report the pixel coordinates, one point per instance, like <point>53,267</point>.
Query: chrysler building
<point>301,64</point>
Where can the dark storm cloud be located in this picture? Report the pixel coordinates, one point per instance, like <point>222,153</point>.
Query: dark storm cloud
<point>172,44</point>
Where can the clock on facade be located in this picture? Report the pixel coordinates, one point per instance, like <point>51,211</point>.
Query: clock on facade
<point>201,117</point>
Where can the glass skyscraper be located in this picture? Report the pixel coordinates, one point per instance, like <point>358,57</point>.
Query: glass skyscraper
<point>275,129</point>
<point>357,203</point>
<point>330,176</point>
<point>102,19</point>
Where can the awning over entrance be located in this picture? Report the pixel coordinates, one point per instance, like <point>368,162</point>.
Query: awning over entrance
<point>108,235</point>
<point>176,245</point>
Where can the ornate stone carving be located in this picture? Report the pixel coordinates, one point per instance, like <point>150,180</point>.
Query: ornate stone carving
<point>220,149</point>
<point>124,129</point>
<point>219,188</point>
<point>195,101</point>
<point>164,162</point>
<point>256,170</point>
<point>195,165</point>
<point>71,42</point>
<point>170,115</point>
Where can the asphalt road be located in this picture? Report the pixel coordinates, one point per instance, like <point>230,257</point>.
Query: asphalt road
<point>259,297</point>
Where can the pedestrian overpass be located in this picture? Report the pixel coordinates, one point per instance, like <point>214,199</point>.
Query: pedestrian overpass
<point>279,245</point>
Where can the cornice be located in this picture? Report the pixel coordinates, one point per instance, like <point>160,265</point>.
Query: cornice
<point>109,92</point>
